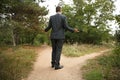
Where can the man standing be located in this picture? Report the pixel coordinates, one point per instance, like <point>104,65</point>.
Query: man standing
<point>58,24</point>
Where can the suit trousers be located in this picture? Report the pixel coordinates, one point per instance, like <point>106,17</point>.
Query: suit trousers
<point>57,45</point>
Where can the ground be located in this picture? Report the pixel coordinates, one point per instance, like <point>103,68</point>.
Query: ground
<point>72,66</point>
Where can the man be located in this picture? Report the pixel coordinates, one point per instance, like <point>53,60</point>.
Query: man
<point>58,24</point>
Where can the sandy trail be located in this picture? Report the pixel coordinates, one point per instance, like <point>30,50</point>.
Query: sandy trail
<point>72,67</point>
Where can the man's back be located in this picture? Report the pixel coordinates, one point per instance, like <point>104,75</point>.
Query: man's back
<point>58,24</point>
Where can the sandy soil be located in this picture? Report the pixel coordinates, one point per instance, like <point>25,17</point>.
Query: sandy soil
<point>72,66</point>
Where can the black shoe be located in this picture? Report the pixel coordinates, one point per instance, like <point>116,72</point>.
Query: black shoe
<point>53,66</point>
<point>59,67</point>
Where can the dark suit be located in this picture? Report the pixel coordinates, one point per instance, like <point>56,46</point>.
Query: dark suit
<point>58,24</point>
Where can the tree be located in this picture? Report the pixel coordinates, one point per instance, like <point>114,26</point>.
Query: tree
<point>117,35</point>
<point>25,19</point>
<point>92,18</point>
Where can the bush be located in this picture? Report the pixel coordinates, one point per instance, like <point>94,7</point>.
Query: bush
<point>116,57</point>
<point>40,39</point>
<point>117,35</point>
<point>116,52</point>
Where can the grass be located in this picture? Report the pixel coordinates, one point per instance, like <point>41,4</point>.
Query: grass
<point>16,63</point>
<point>106,67</point>
<point>92,71</point>
<point>94,75</point>
<point>80,50</point>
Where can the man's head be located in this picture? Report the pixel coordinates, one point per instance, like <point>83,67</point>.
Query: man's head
<point>58,9</point>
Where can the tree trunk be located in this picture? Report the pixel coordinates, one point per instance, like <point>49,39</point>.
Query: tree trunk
<point>13,39</point>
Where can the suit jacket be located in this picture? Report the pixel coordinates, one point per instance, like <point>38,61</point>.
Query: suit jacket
<point>58,23</point>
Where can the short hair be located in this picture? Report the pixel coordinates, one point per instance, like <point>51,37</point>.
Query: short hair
<point>58,9</point>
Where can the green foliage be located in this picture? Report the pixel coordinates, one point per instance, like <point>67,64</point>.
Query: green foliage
<point>108,66</point>
<point>117,48</point>
<point>5,33</point>
<point>16,63</point>
<point>91,18</point>
<point>117,17</point>
<point>40,39</point>
<point>21,21</point>
<point>117,36</point>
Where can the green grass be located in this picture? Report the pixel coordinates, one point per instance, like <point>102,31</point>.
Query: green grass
<point>94,75</point>
<point>16,63</point>
<point>80,50</point>
<point>106,67</point>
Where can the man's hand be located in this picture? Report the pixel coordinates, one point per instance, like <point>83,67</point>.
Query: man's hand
<point>76,30</point>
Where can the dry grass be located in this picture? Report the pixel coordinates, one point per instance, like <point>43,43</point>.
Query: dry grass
<point>16,63</point>
<point>76,50</point>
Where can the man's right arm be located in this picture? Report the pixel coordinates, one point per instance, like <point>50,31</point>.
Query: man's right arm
<point>49,25</point>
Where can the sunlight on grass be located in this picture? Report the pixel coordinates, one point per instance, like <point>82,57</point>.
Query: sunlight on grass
<point>16,63</point>
<point>80,50</point>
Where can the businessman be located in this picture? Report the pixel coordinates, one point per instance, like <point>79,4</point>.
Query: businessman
<point>58,24</point>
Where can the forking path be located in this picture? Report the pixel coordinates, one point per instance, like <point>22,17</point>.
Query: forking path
<point>72,66</point>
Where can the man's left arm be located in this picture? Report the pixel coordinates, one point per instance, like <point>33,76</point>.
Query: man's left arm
<point>69,28</point>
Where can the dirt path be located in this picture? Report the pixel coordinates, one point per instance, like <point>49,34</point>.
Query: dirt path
<point>71,71</point>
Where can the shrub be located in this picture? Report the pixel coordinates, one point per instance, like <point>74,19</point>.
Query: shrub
<point>40,39</point>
